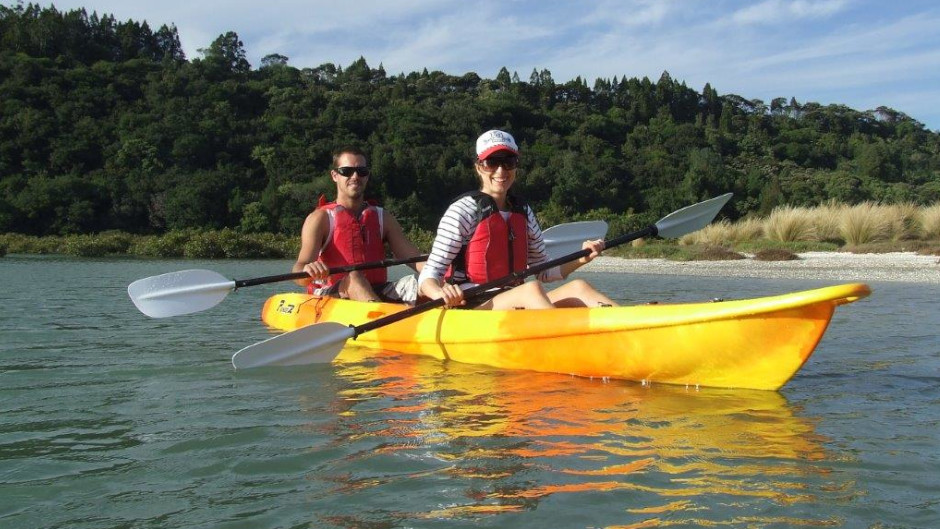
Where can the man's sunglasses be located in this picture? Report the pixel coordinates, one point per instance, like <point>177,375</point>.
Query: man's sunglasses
<point>363,171</point>
<point>508,163</point>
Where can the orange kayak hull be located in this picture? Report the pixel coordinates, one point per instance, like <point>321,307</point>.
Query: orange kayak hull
<point>757,343</point>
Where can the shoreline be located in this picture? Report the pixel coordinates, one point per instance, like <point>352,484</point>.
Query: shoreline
<point>905,267</point>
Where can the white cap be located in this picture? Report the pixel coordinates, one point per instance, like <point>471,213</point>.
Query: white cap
<point>493,141</point>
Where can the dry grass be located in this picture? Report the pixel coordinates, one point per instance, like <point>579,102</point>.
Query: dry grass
<point>929,218</point>
<point>865,223</point>
<point>904,221</point>
<point>747,230</point>
<point>725,233</point>
<point>716,233</point>
<point>790,224</point>
<point>827,219</point>
<point>893,227</point>
<point>868,227</point>
<point>861,225</point>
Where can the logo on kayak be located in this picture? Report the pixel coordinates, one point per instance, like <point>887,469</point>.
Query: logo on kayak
<point>285,309</point>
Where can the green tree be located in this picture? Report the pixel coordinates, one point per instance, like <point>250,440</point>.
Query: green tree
<point>106,125</point>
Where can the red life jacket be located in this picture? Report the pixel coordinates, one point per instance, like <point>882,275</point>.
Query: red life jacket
<point>497,243</point>
<point>354,240</point>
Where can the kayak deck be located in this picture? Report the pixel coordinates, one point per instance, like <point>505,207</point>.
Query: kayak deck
<point>757,343</point>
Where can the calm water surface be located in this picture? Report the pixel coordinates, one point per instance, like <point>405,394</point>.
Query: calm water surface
<point>109,419</point>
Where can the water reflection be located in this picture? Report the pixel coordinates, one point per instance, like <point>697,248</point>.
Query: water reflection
<point>470,442</point>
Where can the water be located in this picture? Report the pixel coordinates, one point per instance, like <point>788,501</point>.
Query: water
<point>112,420</point>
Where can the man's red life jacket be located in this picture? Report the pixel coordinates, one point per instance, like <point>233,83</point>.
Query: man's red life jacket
<point>353,241</point>
<point>497,243</point>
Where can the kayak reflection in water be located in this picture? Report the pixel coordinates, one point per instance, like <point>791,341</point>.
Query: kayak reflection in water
<point>505,441</point>
<point>489,234</point>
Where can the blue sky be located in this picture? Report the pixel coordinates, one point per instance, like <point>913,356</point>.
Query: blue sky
<point>861,53</point>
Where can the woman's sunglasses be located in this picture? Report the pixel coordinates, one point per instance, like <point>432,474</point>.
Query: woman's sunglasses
<point>508,163</point>
<point>363,171</point>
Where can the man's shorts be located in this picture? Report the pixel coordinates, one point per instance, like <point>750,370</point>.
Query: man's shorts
<point>405,290</point>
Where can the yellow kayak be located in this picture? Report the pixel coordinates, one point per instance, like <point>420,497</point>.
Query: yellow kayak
<point>755,343</point>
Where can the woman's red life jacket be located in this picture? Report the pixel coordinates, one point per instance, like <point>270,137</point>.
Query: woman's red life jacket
<point>353,241</point>
<point>497,243</point>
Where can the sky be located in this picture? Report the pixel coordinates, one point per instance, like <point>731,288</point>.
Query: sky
<point>860,53</point>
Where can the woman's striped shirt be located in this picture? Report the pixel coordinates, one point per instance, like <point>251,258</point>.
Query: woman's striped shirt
<point>456,229</point>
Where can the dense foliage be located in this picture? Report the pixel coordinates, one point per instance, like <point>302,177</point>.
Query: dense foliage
<point>106,125</point>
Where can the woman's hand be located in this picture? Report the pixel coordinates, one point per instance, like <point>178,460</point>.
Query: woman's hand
<point>451,294</point>
<point>596,247</point>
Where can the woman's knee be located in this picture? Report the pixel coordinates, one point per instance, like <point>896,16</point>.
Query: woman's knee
<point>534,288</point>
<point>577,287</point>
<point>579,284</point>
<point>530,295</point>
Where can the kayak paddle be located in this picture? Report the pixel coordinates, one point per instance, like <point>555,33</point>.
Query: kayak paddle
<point>188,291</point>
<point>565,238</point>
<point>322,342</point>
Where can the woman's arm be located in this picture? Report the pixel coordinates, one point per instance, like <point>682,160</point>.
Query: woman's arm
<point>452,233</point>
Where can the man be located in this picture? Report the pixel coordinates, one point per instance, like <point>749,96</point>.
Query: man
<point>352,231</point>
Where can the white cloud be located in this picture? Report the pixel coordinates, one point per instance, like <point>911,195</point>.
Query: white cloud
<point>811,9</point>
<point>628,14</point>
<point>783,11</point>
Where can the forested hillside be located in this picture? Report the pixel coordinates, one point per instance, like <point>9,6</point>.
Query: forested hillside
<point>107,125</point>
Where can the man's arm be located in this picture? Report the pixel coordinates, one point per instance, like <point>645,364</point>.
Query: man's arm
<point>312,237</point>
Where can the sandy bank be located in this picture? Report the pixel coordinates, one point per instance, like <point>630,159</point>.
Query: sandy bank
<point>900,266</point>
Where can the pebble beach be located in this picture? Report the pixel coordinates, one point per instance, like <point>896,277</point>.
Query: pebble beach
<point>898,266</point>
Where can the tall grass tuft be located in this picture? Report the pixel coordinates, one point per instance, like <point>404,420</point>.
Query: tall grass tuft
<point>903,221</point>
<point>714,234</point>
<point>827,219</point>
<point>930,222</point>
<point>725,233</point>
<point>865,223</point>
<point>790,224</point>
<point>748,229</point>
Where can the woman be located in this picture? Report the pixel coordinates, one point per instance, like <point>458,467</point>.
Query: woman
<point>489,234</point>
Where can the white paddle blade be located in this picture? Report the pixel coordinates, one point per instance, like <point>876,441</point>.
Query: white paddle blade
<point>315,344</point>
<point>567,238</point>
<point>178,293</point>
<point>691,218</point>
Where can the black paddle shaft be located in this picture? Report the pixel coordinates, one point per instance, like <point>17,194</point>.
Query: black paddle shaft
<point>336,270</point>
<point>649,231</point>
<point>341,269</point>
